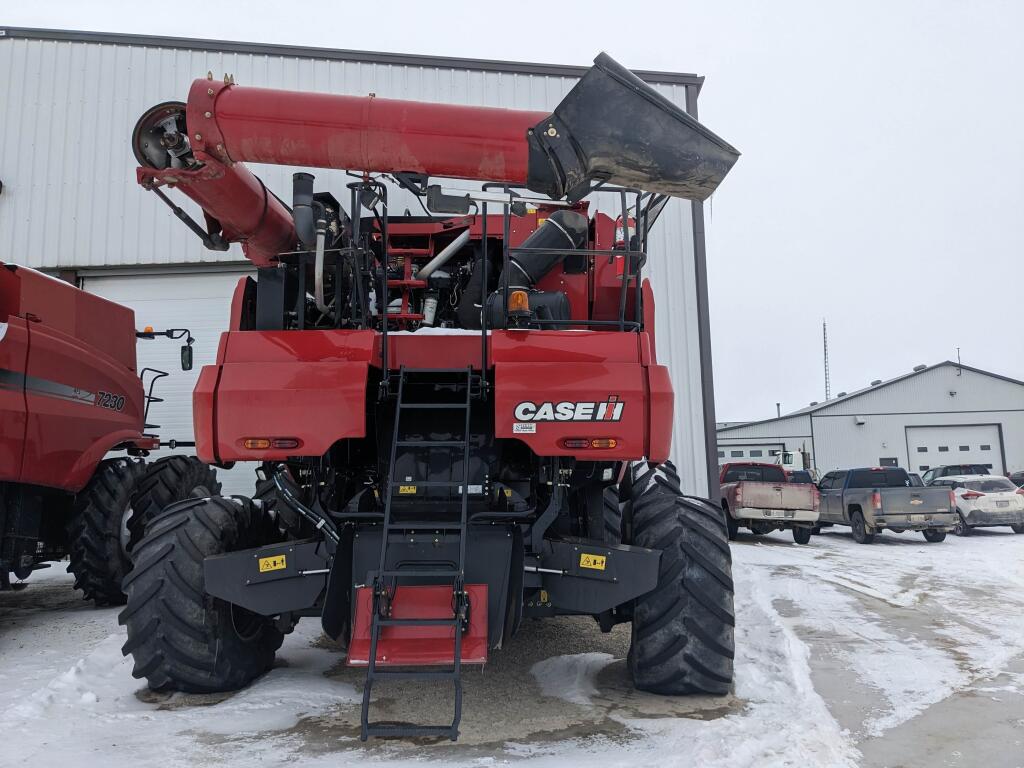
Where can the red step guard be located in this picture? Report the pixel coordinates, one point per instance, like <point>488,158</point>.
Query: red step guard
<point>420,646</point>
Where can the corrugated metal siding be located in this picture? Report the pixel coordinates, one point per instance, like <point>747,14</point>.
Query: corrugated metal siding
<point>70,198</point>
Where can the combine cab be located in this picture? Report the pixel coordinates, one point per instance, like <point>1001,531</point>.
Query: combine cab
<point>460,417</point>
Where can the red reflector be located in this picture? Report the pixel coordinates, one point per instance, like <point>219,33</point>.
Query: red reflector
<point>973,495</point>
<point>285,442</point>
<point>876,500</point>
<point>575,442</point>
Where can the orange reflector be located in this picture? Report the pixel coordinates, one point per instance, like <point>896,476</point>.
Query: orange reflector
<point>518,302</point>
<point>583,442</point>
<point>256,443</point>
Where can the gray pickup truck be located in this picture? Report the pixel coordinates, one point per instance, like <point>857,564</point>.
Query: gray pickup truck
<point>872,499</point>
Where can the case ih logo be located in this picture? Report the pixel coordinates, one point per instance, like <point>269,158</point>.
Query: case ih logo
<point>568,410</point>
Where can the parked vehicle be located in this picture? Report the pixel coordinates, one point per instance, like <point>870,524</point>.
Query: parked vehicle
<point>1017,478</point>
<point>800,476</point>
<point>70,394</point>
<point>915,479</point>
<point>985,501</point>
<point>871,499</point>
<point>946,470</point>
<point>758,497</point>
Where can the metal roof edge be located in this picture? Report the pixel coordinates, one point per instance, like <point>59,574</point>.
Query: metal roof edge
<point>310,52</point>
<point>829,403</point>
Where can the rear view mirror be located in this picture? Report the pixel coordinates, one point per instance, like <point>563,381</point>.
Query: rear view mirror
<point>186,357</point>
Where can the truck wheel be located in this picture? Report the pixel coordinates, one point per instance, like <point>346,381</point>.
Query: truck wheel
<point>860,530</point>
<point>961,528</point>
<point>97,538</point>
<point>1017,528</point>
<point>612,516</point>
<point>683,630</point>
<point>181,638</point>
<point>732,525</point>
<point>167,480</point>
<point>934,537</point>
<point>802,535</point>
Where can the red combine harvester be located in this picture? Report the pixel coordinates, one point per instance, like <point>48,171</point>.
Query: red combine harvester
<point>460,416</point>
<point>70,394</point>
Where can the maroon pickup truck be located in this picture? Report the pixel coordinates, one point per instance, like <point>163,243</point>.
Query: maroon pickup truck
<point>759,497</point>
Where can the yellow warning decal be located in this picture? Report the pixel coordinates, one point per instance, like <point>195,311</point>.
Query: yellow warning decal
<point>544,597</point>
<point>407,489</point>
<point>273,563</point>
<point>595,562</point>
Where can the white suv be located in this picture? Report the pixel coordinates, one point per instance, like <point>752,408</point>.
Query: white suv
<point>985,501</point>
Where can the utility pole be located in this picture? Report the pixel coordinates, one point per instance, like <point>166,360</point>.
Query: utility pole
<point>824,338</point>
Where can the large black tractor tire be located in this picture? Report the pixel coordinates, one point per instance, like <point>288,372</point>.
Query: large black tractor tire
<point>97,534</point>
<point>683,631</point>
<point>167,480</point>
<point>181,638</point>
<point>612,515</point>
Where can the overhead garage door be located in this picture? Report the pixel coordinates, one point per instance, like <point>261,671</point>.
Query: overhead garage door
<point>956,444</point>
<point>199,301</point>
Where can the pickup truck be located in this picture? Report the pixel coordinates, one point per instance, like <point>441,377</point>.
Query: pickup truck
<point>871,499</point>
<point>758,497</point>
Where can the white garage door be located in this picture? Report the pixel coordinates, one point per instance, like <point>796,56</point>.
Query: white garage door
<point>200,302</point>
<point>961,444</point>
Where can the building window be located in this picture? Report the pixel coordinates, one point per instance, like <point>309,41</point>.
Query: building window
<point>736,454</point>
<point>943,449</point>
<point>922,449</point>
<point>721,454</point>
<point>989,466</point>
<point>888,462</point>
<point>986,447</point>
<point>923,468</point>
<point>756,454</point>
<point>965,447</point>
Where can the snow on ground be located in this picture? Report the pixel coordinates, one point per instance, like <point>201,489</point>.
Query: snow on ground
<point>837,645</point>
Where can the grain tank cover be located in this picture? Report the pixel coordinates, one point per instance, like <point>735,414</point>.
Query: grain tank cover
<point>614,127</point>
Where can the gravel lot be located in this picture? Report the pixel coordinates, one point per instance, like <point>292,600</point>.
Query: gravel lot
<point>897,654</point>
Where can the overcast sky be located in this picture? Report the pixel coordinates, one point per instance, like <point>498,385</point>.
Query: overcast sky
<point>882,178</point>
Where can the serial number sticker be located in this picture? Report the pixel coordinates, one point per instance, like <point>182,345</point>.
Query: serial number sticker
<point>273,563</point>
<point>594,562</point>
<point>406,489</point>
<point>524,428</point>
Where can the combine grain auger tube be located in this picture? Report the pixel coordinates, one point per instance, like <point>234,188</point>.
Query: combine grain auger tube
<point>612,129</point>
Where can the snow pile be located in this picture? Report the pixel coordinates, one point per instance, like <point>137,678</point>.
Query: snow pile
<point>571,677</point>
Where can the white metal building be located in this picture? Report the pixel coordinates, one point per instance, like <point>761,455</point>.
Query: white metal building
<point>941,414</point>
<point>70,205</point>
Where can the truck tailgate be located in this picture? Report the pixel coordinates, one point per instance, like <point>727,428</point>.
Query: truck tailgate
<point>776,495</point>
<point>912,501</point>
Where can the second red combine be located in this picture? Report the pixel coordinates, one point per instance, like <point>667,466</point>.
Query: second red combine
<point>460,416</point>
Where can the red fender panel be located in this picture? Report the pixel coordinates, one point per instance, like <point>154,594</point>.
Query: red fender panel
<point>662,413</point>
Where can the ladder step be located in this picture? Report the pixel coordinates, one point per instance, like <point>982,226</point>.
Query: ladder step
<point>418,622</point>
<point>421,572</point>
<point>456,526</point>
<point>435,406</point>
<point>460,371</point>
<point>434,674</point>
<point>431,443</point>
<point>407,731</point>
